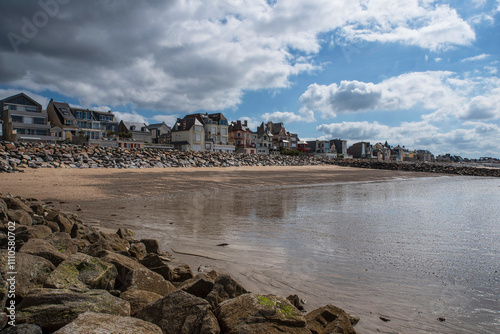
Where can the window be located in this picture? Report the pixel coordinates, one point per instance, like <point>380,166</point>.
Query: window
<point>265,138</point>
<point>223,131</point>
<point>30,132</point>
<point>68,122</point>
<point>248,135</point>
<point>41,132</point>
<point>12,107</point>
<point>198,128</point>
<point>96,126</point>
<point>239,142</point>
<point>65,111</point>
<point>198,137</point>
<point>17,119</point>
<point>28,120</point>
<point>78,114</point>
<point>86,115</point>
<point>38,120</point>
<point>19,131</point>
<point>239,134</point>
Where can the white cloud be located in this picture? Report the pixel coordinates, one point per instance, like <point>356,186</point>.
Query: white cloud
<point>252,123</point>
<point>129,117</point>
<point>478,57</point>
<point>441,94</point>
<point>304,115</point>
<point>472,139</point>
<point>192,55</point>
<point>168,119</point>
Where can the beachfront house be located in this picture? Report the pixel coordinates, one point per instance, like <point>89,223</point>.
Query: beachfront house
<point>188,134</point>
<point>216,131</point>
<point>241,137</point>
<point>360,150</point>
<point>263,139</point>
<point>136,131</point>
<point>160,133</point>
<point>24,120</point>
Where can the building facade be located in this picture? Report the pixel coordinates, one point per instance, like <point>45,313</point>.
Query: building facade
<point>188,134</point>
<point>23,119</point>
<point>241,137</point>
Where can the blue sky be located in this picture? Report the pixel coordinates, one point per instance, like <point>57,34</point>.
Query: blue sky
<point>423,74</point>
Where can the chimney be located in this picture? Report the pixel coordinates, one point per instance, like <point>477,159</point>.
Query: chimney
<point>245,123</point>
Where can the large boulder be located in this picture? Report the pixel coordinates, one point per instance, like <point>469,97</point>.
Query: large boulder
<point>253,313</point>
<point>52,309</point>
<point>137,250</point>
<point>138,299</point>
<point>147,280</point>
<point>330,319</point>
<point>99,323</point>
<point>63,242</point>
<point>152,245</point>
<point>82,272</point>
<point>199,286</point>
<point>43,248</point>
<point>20,216</point>
<point>180,312</point>
<point>16,204</point>
<point>23,233</point>
<point>123,264</point>
<point>225,287</point>
<point>181,272</point>
<point>32,271</point>
<point>65,224</point>
<point>158,264</point>
<point>125,233</point>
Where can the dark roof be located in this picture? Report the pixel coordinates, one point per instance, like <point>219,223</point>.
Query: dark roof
<point>157,125</point>
<point>179,143</point>
<point>217,117</point>
<point>276,128</point>
<point>63,109</point>
<point>20,95</point>
<point>184,124</point>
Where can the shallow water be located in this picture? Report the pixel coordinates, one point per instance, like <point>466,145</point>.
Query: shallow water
<point>411,250</point>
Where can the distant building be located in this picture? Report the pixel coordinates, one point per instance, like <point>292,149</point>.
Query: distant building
<point>79,122</point>
<point>160,133</point>
<point>139,131</point>
<point>340,146</point>
<point>381,152</point>
<point>425,156</point>
<point>282,139</point>
<point>188,134</point>
<point>216,131</point>
<point>241,137</point>
<point>303,147</point>
<point>318,146</point>
<point>23,119</point>
<point>263,139</point>
<point>361,150</point>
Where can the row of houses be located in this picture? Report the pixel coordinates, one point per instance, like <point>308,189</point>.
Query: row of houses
<point>24,119</point>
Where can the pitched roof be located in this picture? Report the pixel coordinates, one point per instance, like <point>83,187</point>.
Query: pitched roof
<point>184,124</point>
<point>21,95</point>
<point>63,109</point>
<point>157,125</point>
<point>138,126</point>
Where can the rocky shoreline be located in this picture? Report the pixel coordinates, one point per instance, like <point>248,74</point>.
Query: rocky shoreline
<point>68,277</point>
<point>15,157</point>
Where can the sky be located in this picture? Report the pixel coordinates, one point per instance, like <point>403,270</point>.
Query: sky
<point>418,73</point>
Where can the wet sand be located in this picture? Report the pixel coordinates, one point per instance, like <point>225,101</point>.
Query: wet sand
<point>185,210</point>
<point>74,185</point>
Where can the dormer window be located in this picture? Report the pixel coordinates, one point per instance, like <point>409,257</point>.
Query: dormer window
<point>132,128</point>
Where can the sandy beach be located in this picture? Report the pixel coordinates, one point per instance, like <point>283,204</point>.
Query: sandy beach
<point>73,185</point>
<point>181,208</point>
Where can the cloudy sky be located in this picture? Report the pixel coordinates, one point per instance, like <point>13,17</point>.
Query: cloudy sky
<point>419,73</point>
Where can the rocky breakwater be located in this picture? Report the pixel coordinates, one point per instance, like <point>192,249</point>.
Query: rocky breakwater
<point>18,156</point>
<point>71,278</point>
<point>431,167</point>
